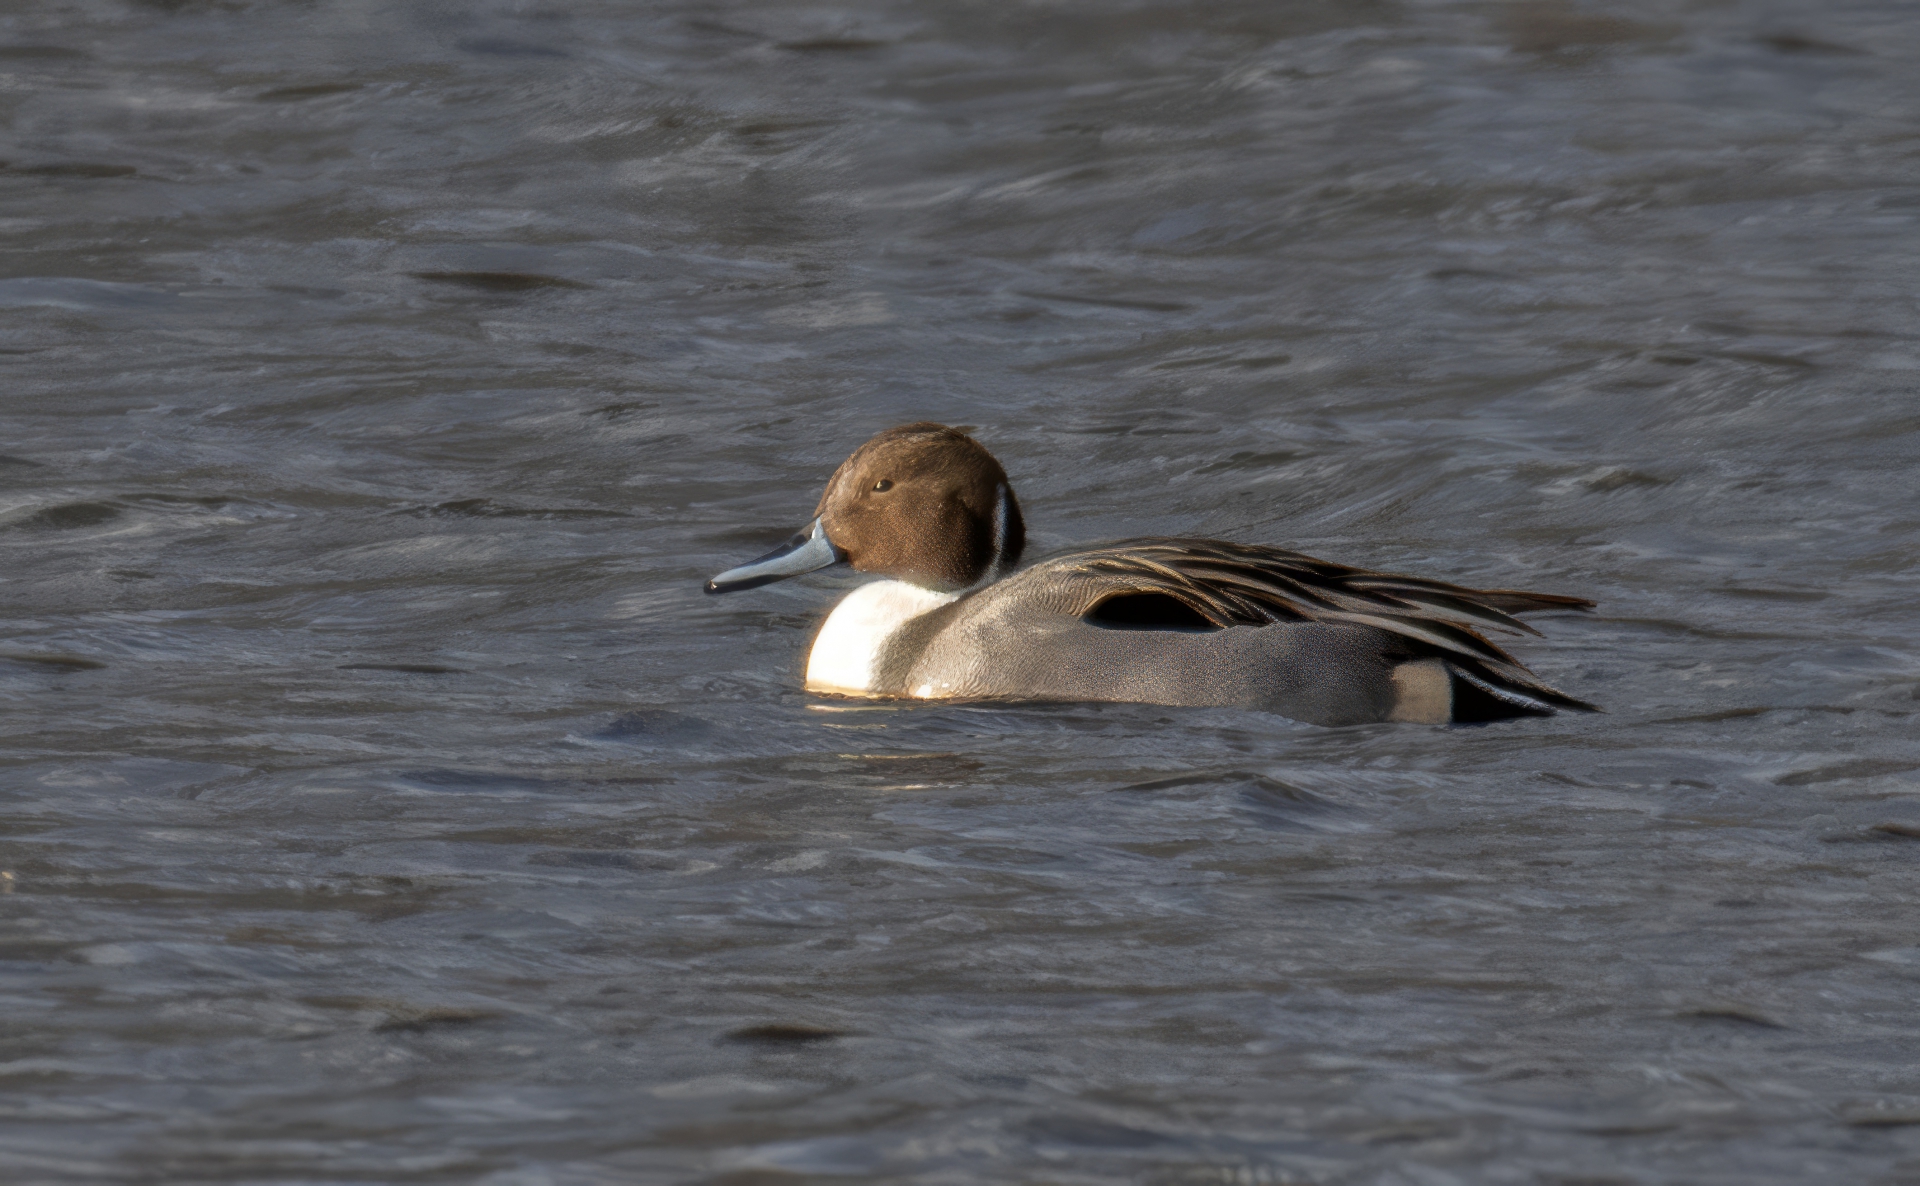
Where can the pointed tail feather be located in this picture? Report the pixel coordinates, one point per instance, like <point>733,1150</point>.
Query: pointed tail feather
<point>1515,686</point>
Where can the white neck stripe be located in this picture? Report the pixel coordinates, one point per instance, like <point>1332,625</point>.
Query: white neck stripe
<point>999,529</point>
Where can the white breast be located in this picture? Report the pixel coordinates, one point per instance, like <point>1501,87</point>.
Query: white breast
<point>851,638</point>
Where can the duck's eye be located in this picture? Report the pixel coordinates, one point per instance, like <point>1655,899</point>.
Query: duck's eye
<point>882,486</point>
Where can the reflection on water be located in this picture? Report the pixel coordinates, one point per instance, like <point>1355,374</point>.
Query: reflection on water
<point>382,800</point>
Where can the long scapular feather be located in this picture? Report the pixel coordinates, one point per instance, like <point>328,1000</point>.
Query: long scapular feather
<point>1249,585</point>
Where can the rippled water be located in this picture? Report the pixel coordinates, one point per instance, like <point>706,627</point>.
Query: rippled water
<point>384,802</point>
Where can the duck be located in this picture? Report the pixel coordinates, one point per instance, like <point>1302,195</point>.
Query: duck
<point>1175,621</point>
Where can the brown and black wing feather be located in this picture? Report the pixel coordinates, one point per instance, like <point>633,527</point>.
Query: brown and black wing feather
<point>1230,584</point>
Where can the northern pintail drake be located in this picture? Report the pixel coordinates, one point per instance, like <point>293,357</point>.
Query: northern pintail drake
<point>1151,621</point>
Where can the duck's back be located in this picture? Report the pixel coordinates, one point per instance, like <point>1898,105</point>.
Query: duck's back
<point>1198,622</point>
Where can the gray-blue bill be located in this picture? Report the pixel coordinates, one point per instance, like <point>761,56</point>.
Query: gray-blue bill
<point>806,552</point>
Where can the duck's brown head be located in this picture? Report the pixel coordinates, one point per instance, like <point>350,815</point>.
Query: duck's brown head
<point>921,503</point>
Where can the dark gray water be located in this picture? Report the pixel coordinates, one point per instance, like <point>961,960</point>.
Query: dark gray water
<point>383,802</point>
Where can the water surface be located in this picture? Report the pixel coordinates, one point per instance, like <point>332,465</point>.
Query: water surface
<point>382,800</point>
